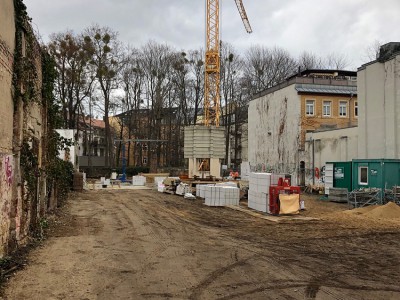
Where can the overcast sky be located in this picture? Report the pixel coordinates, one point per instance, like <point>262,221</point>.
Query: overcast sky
<point>346,27</point>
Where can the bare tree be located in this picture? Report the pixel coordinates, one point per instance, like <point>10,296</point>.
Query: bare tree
<point>231,72</point>
<point>266,67</point>
<point>74,81</point>
<point>156,63</point>
<point>107,61</point>
<point>196,69</point>
<point>309,60</point>
<point>372,51</point>
<point>336,61</point>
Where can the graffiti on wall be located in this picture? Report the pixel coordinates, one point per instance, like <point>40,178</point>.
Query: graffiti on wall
<point>8,170</point>
<point>6,181</point>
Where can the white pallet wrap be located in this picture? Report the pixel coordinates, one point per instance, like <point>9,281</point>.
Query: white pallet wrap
<point>158,180</point>
<point>161,187</point>
<point>138,180</point>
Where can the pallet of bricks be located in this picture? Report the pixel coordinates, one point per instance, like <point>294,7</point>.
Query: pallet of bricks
<point>220,194</point>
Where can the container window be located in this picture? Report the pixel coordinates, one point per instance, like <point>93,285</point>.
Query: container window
<point>363,175</point>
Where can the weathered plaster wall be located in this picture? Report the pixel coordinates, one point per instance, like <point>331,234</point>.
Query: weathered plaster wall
<point>330,146</point>
<point>7,44</point>
<point>19,120</point>
<point>71,154</point>
<point>6,185</point>
<point>379,106</point>
<point>245,142</point>
<point>274,131</point>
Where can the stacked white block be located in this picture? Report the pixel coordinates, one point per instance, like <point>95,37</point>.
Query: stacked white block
<point>230,195</point>
<point>258,195</point>
<point>201,190</point>
<point>228,183</point>
<point>219,195</point>
<point>138,180</point>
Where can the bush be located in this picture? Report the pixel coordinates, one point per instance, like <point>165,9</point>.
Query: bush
<point>132,171</point>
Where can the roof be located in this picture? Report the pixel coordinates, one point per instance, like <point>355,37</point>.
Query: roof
<point>339,82</point>
<point>324,73</point>
<point>326,89</point>
<point>98,123</point>
<point>95,123</point>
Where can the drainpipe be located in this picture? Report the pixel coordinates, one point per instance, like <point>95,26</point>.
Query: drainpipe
<point>313,160</point>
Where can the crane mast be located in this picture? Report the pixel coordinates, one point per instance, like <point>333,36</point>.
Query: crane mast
<point>212,109</point>
<point>212,66</point>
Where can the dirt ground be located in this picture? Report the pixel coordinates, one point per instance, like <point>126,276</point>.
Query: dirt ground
<point>141,244</point>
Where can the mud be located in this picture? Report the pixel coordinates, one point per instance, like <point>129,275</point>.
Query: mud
<point>141,244</point>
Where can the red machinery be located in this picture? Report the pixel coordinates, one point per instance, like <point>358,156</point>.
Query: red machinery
<point>283,187</point>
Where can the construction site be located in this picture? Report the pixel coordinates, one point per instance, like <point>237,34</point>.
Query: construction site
<point>283,190</point>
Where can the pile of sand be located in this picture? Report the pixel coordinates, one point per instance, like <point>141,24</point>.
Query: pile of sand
<point>387,211</point>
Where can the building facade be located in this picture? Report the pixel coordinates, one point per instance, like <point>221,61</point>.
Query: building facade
<point>280,117</point>
<point>91,143</point>
<point>379,93</point>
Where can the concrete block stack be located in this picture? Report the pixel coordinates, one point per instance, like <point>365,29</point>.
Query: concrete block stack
<point>258,195</point>
<point>219,195</point>
<point>201,189</point>
<point>138,180</point>
<point>231,195</point>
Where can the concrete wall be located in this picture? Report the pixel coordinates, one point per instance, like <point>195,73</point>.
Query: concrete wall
<point>7,45</point>
<point>21,121</point>
<point>379,109</point>
<point>329,146</point>
<point>274,130</point>
<point>72,153</point>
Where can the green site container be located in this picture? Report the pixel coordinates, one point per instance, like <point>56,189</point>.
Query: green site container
<point>376,173</point>
<point>342,174</point>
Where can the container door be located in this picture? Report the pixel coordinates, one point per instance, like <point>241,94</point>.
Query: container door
<point>328,177</point>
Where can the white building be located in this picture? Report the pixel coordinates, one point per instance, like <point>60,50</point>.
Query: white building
<point>379,94</point>
<point>280,117</point>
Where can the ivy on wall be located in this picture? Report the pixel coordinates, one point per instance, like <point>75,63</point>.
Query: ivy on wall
<point>34,75</point>
<point>26,53</point>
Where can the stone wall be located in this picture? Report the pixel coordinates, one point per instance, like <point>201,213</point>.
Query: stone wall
<point>22,120</point>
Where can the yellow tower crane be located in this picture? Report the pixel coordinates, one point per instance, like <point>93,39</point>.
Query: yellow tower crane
<point>212,60</point>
